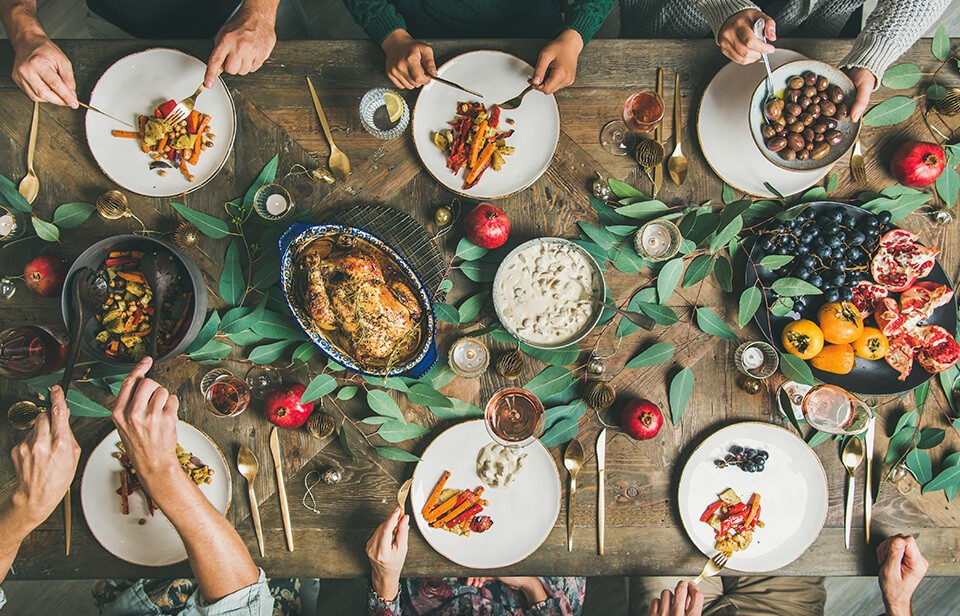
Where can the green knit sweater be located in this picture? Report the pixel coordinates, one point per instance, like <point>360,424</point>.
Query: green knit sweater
<point>379,18</point>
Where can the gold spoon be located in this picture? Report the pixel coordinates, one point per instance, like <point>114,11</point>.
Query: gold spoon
<point>339,163</point>
<point>677,164</point>
<point>248,466</point>
<point>572,461</point>
<point>851,457</point>
<point>30,184</point>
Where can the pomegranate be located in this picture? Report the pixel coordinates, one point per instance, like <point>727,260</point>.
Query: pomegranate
<point>45,275</point>
<point>900,260</point>
<point>919,301</point>
<point>866,295</point>
<point>900,355</point>
<point>284,408</point>
<point>641,419</point>
<point>487,226</point>
<point>889,318</point>
<point>918,164</point>
<point>939,350</point>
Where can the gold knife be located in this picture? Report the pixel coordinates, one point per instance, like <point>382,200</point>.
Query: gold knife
<point>104,113</point>
<point>281,489</point>
<point>658,169</point>
<point>868,488</point>
<point>447,82</point>
<point>601,498</point>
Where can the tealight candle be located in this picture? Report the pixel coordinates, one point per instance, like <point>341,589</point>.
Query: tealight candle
<point>469,357</point>
<point>7,224</point>
<point>276,204</point>
<point>655,240</point>
<point>11,224</point>
<point>658,240</point>
<point>751,358</point>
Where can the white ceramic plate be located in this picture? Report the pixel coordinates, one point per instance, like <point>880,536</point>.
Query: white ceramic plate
<point>499,76</point>
<point>155,543</point>
<point>523,513</point>
<point>792,487</point>
<point>135,85</point>
<point>724,132</point>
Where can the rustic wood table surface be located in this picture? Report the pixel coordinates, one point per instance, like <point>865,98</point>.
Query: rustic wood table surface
<point>644,533</point>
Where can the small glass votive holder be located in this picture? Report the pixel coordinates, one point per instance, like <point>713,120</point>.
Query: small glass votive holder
<point>756,359</point>
<point>13,224</point>
<point>272,202</point>
<point>376,119</point>
<point>225,394</point>
<point>468,357</point>
<point>658,240</point>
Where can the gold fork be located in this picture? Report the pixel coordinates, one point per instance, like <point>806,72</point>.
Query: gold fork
<point>857,167</point>
<point>713,567</point>
<point>185,107</point>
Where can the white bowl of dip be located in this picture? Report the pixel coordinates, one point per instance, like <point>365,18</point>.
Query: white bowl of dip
<point>542,293</point>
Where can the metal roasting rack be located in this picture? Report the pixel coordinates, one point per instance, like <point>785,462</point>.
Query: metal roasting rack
<point>405,234</point>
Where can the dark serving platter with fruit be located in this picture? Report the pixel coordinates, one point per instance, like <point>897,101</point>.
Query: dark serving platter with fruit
<point>886,320</point>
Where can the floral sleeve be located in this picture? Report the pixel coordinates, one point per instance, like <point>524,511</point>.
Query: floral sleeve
<point>380,607</point>
<point>564,597</point>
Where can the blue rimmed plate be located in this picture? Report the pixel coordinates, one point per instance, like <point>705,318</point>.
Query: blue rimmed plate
<point>296,237</point>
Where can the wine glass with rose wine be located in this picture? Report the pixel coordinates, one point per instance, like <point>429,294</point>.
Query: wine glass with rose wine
<point>642,112</point>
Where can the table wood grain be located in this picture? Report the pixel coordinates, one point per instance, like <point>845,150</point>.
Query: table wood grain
<point>644,534</point>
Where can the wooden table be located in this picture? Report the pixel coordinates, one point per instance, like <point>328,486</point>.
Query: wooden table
<point>644,535</point>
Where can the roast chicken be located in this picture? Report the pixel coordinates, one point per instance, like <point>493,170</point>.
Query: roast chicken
<point>345,289</point>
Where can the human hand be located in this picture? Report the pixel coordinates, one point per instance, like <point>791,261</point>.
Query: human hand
<point>386,550</point>
<point>242,45</point>
<point>410,63</point>
<point>531,587</point>
<point>42,70</point>
<point>865,82</point>
<point>685,600</point>
<point>902,566</point>
<point>45,463</point>
<point>737,40</point>
<point>146,418</point>
<point>557,64</point>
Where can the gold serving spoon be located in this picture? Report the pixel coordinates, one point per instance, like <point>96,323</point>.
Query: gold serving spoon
<point>852,457</point>
<point>30,184</point>
<point>677,164</point>
<point>339,163</point>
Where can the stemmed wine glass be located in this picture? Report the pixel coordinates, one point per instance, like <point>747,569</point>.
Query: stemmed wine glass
<point>642,112</point>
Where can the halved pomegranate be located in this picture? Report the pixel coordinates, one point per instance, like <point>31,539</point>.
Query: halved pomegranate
<point>938,351</point>
<point>889,318</point>
<point>919,301</point>
<point>866,294</point>
<point>900,260</point>
<point>901,353</point>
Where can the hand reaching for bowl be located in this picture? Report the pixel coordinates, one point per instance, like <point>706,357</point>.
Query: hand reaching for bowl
<point>737,40</point>
<point>865,82</point>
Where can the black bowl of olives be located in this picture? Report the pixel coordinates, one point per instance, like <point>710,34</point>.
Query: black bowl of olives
<point>807,126</point>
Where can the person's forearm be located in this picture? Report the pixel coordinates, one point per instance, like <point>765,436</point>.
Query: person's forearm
<point>260,9</point>
<point>715,12</point>
<point>19,19</point>
<point>586,17</point>
<point>218,557</point>
<point>14,528</point>
<point>378,18</point>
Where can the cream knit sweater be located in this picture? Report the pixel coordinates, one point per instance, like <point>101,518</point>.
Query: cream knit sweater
<point>890,30</point>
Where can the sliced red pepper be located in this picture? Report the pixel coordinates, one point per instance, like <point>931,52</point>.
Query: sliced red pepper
<point>137,316</point>
<point>494,120</point>
<point>165,109</point>
<point>738,508</point>
<point>731,522</point>
<point>469,513</point>
<point>712,509</point>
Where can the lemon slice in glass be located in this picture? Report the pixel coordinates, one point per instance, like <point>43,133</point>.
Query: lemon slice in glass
<point>394,105</point>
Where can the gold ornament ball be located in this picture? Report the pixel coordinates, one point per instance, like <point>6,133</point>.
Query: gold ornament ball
<point>442,216</point>
<point>320,424</point>
<point>949,105</point>
<point>599,395</point>
<point>112,205</point>
<point>751,385</point>
<point>186,235</point>
<point>510,365</point>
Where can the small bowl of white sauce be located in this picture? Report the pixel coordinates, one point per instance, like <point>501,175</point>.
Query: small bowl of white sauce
<point>543,290</point>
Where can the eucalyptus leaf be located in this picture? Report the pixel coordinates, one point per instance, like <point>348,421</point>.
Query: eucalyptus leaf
<point>478,271</point>
<point>817,193</point>
<point>628,261</point>
<point>553,381</point>
<point>948,186</point>
<point>902,76</point>
<point>606,214</point>
<point>267,176</point>
<point>654,355</point>
<point>728,195</point>
<point>919,464</point>
<point>723,272</point>
<point>668,278</point>
<point>471,307</point>
<point>680,389</point>
<point>214,349</point>
<point>390,382</point>
<point>940,45</point>
<point>398,431</point>
<point>304,352</point>
<point>936,92</point>
<point>206,333</point>
<point>446,313</point>
<point>795,369</point>
<point>832,181</point>
<point>376,420</point>
<point>562,432</point>
<point>208,225</point>
<point>930,438</point>
<point>782,307</point>
<point>899,207</point>
<point>920,395</point>
<point>266,274</point>
<point>232,285</point>
<point>775,262</point>
<point>382,404</point>
<point>892,111</point>
<point>622,230</point>
<point>699,268</point>
<point>320,386</point>
<point>245,338</point>
<point>749,302</point>
<point>347,392</point>
<point>710,323</point>
<point>459,410</point>
<point>11,196</point>
<point>663,315</point>
<point>573,410</point>
<point>947,478</point>
<point>278,326</point>
<point>246,318</point>
<point>793,287</point>
<point>46,231</point>
<point>345,443</point>
<point>424,395</point>
<point>910,418</point>
<point>818,438</point>
<point>643,209</point>
<point>70,215</point>
<point>564,356</point>
<point>603,238</point>
<point>268,353</point>
<point>623,190</point>
<point>395,453</point>
<point>468,251</point>
<point>82,406</point>
<point>899,444</point>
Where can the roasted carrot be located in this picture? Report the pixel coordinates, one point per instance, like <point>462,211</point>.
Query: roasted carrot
<point>125,134</point>
<point>469,502</point>
<point>437,489</point>
<point>481,163</point>
<point>479,139</point>
<point>203,124</point>
<point>197,142</point>
<point>183,162</point>
<point>162,143</point>
<point>445,506</point>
